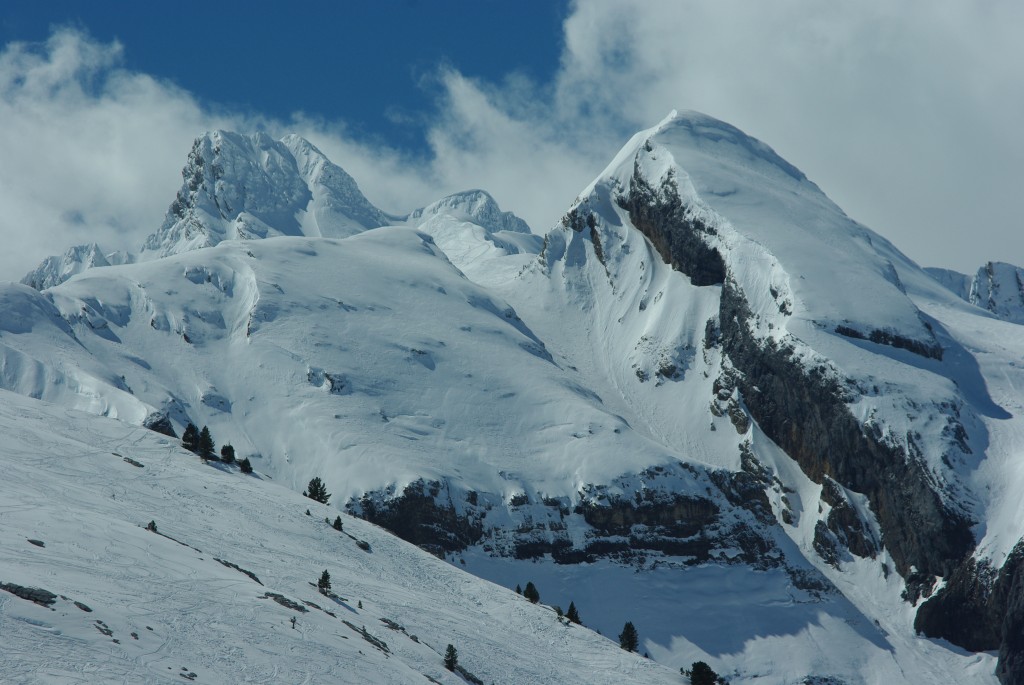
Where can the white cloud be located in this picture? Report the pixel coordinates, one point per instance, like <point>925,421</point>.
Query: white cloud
<point>907,114</point>
<point>85,148</point>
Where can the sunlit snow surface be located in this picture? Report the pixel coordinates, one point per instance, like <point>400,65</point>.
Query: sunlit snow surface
<point>156,607</point>
<point>459,347</point>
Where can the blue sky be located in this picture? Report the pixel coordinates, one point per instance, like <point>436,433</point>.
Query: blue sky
<point>907,114</point>
<point>370,62</point>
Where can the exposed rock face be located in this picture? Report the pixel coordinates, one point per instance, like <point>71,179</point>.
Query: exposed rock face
<point>981,609</point>
<point>160,423</point>
<point>1010,593</point>
<point>802,409</point>
<point>845,523</point>
<point>418,517</point>
<point>966,611</point>
<point>32,594</point>
<point>654,522</point>
<point>674,231</point>
<point>997,287</point>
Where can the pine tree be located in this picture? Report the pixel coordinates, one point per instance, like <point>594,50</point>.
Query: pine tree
<point>190,438</point>
<point>451,657</point>
<point>324,584</point>
<point>573,614</point>
<point>519,590</point>
<point>227,454</point>
<point>317,491</point>
<point>337,523</point>
<point>206,446</point>
<point>245,465</point>
<point>628,638</point>
<point>702,674</point>
<point>531,593</point>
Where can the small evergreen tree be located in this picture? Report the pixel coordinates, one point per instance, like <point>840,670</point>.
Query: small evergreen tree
<point>190,438</point>
<point>245,465</point>
<point>206,446</point>
<point>628,638</point>
<point>316,490</point>
<point>227,454</point>
<point>451,657</point>
<point>324,584</point>
<point>573,614</point>
<point>531,593</point>
<point>519,590</point>
<point>151,526</point>
<point>337,523</point>
<point>702,674</point>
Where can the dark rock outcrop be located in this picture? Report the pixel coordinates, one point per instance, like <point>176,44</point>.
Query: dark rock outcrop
<point>845,523</point>
<point>32,594</point>
<point>982,610</point>
<point>674,230</point>
<point>964,611</point>
<point>159,423</point>
<point>1010,594</point>
<point>803,411</point>
<point>676,516</point>
<point>418,517</point>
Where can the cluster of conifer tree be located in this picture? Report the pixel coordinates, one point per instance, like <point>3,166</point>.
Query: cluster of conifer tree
<point>200,441</point>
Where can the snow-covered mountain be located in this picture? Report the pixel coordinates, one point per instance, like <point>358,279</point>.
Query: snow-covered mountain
<point>57,269</point>
<point>127,560</point>
<point>997,287</point>
<point>474,206</point>
<point>707,387</point>
<point>243,187</point>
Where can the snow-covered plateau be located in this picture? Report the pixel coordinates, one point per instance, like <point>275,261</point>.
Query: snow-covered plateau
<point>706,402</point>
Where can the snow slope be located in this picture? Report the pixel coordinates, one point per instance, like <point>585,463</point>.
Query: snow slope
<point>552,397</point>
<point>192,600</point>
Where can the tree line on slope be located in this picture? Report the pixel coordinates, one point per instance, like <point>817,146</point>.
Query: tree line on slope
<point>200,441</point>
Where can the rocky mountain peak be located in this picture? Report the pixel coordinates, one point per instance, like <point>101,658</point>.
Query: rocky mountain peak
<point>57,269</point>
<point>251,186</point>
<point>997,287</point>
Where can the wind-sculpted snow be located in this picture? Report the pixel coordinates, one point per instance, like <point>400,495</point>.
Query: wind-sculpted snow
<point>244,336</point>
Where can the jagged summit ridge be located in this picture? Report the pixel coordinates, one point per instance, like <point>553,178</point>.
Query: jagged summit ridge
<point>246,187</point>
<point>55,270</point>
<point>251,186</point>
